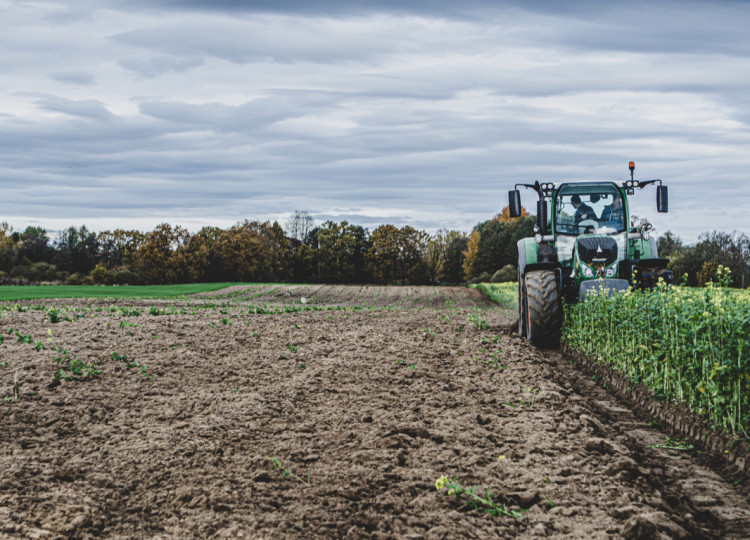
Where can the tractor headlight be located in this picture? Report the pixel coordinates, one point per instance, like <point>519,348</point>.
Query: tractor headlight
<point>610,271</point>
<point>538,238</point>
<point>587,271</point>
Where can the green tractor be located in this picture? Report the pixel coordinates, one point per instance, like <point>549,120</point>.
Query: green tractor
<point>583,246</point>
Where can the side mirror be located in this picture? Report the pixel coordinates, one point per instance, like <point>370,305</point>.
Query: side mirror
<point>541,212</point>
<point>662,199</point>
<point>514,203</point>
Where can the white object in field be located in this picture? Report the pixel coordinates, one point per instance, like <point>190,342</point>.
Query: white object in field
<point>303,300</point>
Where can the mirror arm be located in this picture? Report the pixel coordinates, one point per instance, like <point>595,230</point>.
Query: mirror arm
<point>645,183</point>
<point>536,187</point>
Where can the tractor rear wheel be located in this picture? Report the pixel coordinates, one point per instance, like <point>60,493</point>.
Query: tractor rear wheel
<point>651,276</point>
<point>543,309</point>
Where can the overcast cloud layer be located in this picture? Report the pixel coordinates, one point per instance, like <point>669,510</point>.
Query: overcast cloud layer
<point>130,114</point>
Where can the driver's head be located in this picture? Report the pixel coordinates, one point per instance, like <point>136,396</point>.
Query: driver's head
<point>576,200</point>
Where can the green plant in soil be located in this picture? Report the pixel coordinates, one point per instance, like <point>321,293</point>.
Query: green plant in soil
<point>528,396</point>
<point>473,500</point>
<point>22,338</point>
<point>54,316</point>
<point>478,321</point>
<point>70,368</point>
<point>286,473</point>
<point>673,444</point>
<point>133,364</point>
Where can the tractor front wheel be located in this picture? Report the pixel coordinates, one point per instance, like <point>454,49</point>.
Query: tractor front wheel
<point>543,309</point>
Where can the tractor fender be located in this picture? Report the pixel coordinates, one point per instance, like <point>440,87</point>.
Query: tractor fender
<point>528,259</point>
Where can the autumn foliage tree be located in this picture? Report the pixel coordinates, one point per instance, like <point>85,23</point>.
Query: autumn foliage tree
<point>248,251</point>
<point>471,254</point>
<point>154,256</point>
<point>396,255</point>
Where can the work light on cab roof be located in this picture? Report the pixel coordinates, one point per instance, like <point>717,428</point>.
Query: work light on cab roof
<point>582,245</point>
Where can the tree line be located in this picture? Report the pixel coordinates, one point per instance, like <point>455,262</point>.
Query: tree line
<point>300,252</point>
<point>697,264</point>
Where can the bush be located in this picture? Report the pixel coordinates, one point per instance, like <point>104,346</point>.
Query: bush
<point>36,272</point>
<point>99,274</point>
<point>122,275</point>
<point>506,274</point>
<point>484,277</point>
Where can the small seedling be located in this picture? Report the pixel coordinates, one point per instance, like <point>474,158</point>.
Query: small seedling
<point>293,348</point>
<point>527,399</point>
<point>477,501</point>
<point>143,371</point>
<point>22,338</point>
<point>673,444</point>
<point>287,473</point>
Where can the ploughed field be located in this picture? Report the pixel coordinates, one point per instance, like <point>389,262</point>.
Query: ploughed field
<point>326,411</point>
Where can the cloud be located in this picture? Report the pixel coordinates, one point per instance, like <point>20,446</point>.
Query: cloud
<point>157,65</point>
<point>90,109</point>
<point>80,78</point>
<point>417,113</point>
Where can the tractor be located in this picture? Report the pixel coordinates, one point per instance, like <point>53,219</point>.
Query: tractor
<point>583,246</point>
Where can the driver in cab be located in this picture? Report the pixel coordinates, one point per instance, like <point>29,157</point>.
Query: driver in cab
<point>583,210</point>
<point>612,214</point>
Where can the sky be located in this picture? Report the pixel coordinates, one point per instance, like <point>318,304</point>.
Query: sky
<point>131,113</point>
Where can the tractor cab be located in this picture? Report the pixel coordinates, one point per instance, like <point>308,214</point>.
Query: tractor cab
<point>590,210</point>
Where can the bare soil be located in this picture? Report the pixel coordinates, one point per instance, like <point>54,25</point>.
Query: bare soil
<point>367,400</point>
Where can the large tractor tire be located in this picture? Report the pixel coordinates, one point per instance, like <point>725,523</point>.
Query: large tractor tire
<point>650,277</point>
<point>543,309</point>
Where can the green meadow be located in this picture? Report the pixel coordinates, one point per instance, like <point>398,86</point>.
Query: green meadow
<point>39,292</point>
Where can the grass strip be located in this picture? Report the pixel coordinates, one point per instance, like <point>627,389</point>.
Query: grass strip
<point>38,292</point>
<point>505,294</point>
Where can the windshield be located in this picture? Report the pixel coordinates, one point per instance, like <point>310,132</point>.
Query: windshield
<point>588,209</point>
